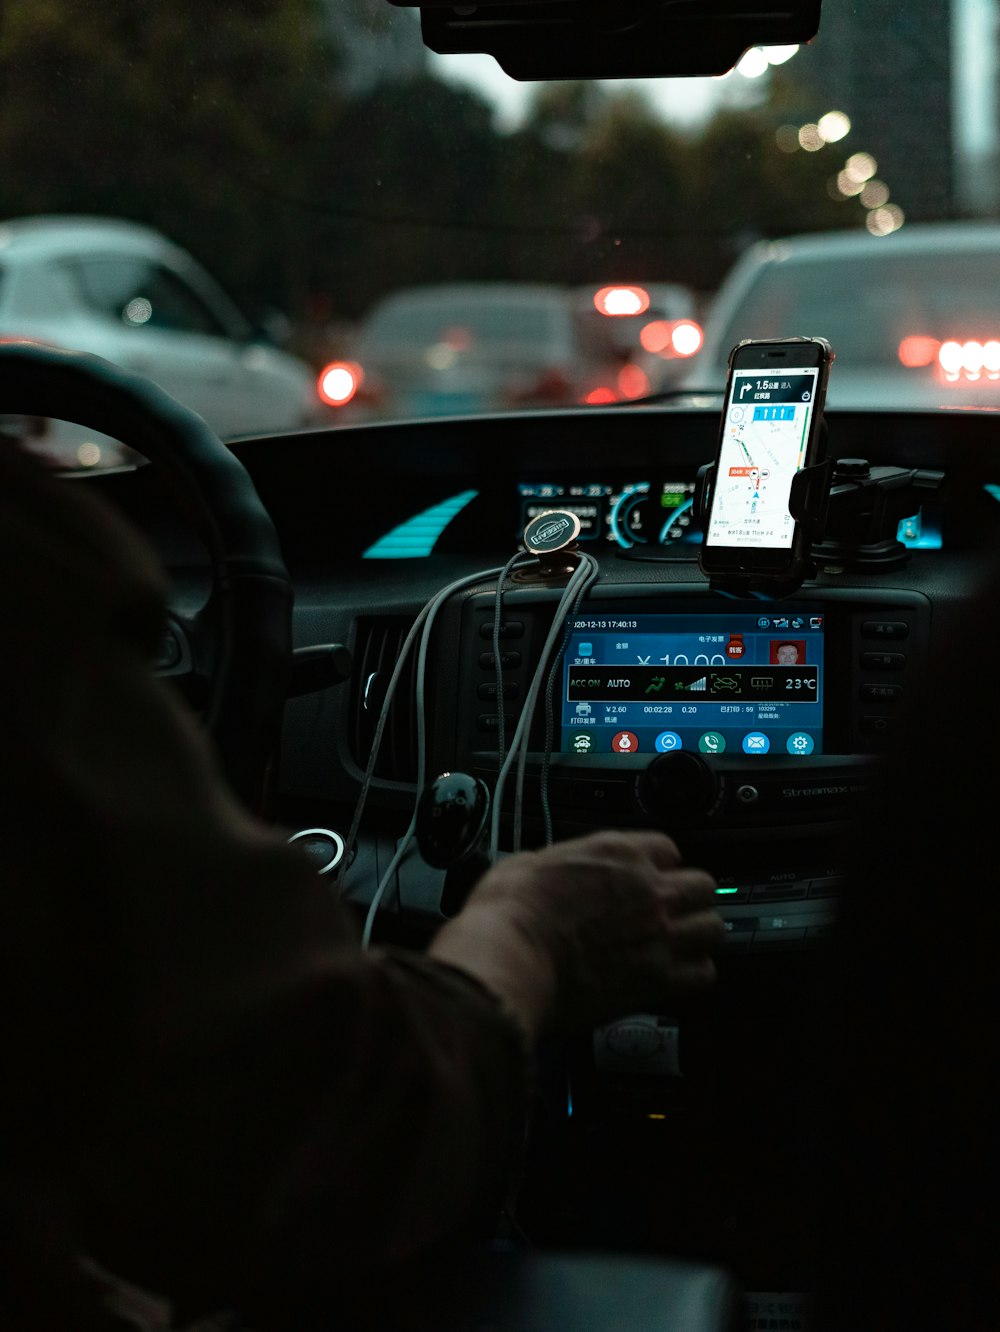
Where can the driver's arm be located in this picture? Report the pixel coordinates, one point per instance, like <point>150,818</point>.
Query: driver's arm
<point>219,1089</point>
<point>227,1099</point>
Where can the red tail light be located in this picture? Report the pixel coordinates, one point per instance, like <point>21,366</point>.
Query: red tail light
<point>683,337</point>
<point>686,337</point>
<point>633,382</point>
<point>916,350</point>
<point>598,397</point>
<point>622,300</point>
<point>970,361</point>
<point>339,381</point>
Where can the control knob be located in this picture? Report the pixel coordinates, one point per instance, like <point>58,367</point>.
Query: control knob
<point>677,788</point>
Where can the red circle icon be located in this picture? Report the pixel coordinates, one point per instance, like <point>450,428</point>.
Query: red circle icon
<point>625,743</point>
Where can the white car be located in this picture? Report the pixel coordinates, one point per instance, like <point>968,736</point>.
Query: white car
<point>126,293</point>
<point>913,317</point>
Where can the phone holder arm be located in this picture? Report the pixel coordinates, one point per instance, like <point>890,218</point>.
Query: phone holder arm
<point>850,512</point>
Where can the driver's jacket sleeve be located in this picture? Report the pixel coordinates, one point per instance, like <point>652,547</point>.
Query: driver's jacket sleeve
<point>209,1087</point>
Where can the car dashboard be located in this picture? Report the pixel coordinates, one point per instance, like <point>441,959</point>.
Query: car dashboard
<point>374,520</point>
<point>672,710</point>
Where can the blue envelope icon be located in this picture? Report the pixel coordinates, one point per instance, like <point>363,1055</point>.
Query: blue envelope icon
<point>756,742</point>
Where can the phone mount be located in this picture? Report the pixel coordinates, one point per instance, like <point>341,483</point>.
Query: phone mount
<point>850,513</point>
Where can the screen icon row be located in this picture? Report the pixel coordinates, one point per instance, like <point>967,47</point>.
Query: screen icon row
<point>754,743</point>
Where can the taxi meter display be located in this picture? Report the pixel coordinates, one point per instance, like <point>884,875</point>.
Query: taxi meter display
<point>745,684</point>
<point>764,442</point>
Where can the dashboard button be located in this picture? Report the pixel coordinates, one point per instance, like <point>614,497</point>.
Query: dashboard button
<point>777,925</point>
<point>778,892</point>
<point>739,932</point>
<point>509,629</point>
<point>508,660</point>
<point>876,725</point>
<point>885,629</point>
<point>778,938</point>
<point>589,797</point>
<point>883,661</point>
<point>727,891</point>
<point>880,693</point>
<point>829,887</point>
<point>489,721</point>
<point>511,689</point>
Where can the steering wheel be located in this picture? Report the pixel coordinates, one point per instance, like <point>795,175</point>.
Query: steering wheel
<point>245,626</point>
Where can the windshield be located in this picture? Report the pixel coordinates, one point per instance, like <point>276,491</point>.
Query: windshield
<point>291,214</point>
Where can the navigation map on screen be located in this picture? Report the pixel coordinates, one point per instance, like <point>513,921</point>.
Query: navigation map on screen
<point>764,442</point>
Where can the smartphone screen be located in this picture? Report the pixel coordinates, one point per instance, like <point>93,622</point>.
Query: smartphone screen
<point>766,434</point>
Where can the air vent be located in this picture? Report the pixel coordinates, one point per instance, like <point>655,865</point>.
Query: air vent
<point>378,644</point>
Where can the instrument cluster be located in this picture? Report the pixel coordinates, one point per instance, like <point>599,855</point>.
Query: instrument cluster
<point>626,515</point>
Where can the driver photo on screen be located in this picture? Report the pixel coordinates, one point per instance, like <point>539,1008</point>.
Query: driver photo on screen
<point>788,653</point>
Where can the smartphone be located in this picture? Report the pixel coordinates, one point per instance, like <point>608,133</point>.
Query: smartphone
<point>770,430</point>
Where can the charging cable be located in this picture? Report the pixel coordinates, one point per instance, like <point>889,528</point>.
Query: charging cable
<point>422,626</point>
<point>581,578</point>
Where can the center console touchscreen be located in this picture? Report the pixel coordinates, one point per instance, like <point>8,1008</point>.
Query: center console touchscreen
<point>715,683</point>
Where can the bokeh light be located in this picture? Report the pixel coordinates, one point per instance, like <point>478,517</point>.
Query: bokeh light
<point>753,64</point>
<point>918,350</point>
<point>777,55</point>
<point>88,454</point>
<point>875,194</point>
<point>847,185</point>
<point>787,138</point>
<point>339,381</point>
<point>686,337</point>
<point>810,138</point>
<point>621,300</point>
<point>861,167</point>
<point>655,336</point>
<point>884,221</point>
<point>633,381</point>
<point>834,126</point>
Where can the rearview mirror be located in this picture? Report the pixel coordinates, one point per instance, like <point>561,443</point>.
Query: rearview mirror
<point>614,39</point>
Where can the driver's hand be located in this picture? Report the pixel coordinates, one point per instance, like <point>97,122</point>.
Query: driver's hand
<point>588,929</point>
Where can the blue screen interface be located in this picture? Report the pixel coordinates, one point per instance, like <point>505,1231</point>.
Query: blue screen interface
<point>738,684</point>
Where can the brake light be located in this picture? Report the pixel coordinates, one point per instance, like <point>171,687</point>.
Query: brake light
<point>655,336</point>
<point>686,337</point>
<point>339,381</point>
<point>683,337</point>
<point>970,360</point>
<point>617,301</point>
<point>633,381</point>
<point>599,397</point>
<point>916,351</point>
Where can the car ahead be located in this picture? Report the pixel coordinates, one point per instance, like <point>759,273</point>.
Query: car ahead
<point>912,316</point>
<point>127,294</point>
<point>491,346</point>
<point>638,338</point>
